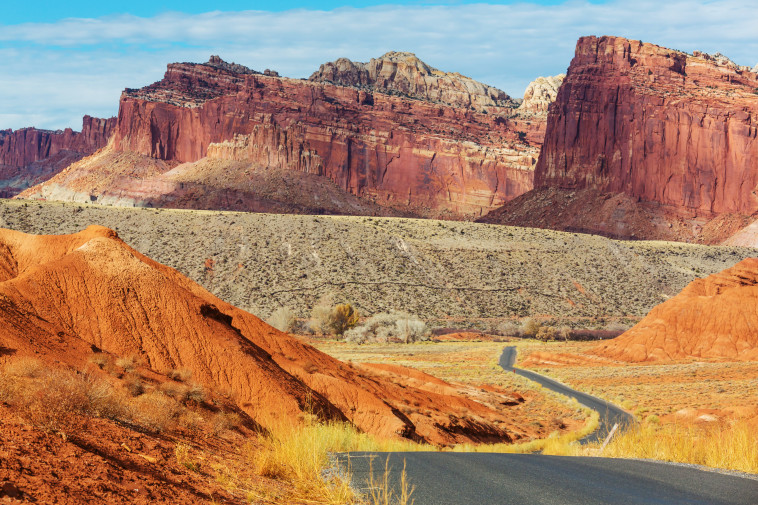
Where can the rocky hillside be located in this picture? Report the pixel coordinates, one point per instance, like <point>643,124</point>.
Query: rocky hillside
<point>404,74</point>
<point>411,151</point>
<point>64,297</point>
<point>30,156</point>
<point>655,124</point>
<point>435,269</point>
<point>713,317</point>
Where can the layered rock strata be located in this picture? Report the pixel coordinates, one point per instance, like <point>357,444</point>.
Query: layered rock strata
<point>656,124</point>
<point>30,156</point>
<point>404,74</point>
<point>418,156</point>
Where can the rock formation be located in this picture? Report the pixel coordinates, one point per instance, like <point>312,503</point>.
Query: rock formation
<point>714,317</point>
<point>404,74</point>
<point>540,94</point>
<point>656,124</point>
<point>61,297</point>
<point>30,156</point>
<point>415,155</point>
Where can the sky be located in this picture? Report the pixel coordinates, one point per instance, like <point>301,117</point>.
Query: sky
<point>61,60</point>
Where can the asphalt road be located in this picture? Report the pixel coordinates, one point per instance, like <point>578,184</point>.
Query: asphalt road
<point>609,413</point>
<point>448,478</point>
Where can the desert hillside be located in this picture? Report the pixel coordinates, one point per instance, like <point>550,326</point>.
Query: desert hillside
<point>713,317</point>
<point>434,269</point>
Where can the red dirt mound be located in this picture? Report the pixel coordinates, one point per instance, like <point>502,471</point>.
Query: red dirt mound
<point>63,297</point>
<point>714,317</point>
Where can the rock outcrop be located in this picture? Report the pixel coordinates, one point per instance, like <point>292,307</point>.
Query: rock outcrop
<point>714,317</point>
<point>540,94</point>
<point>404,74</point>
<point>30,156</point>
<point>419,156</point>
<point>655,124</point>
<point>64,296</point>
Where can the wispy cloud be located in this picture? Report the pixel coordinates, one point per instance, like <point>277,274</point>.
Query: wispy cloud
<point>54,73</point>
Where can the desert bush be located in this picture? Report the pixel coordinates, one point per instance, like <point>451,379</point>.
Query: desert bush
<point>546,333</point>
<point>222,421</point>
<point>25,367</point>
<point>283,319</point>
<point>180,374</point>
<point>133,384</point>
<point>100,359</point>
<point>54,401</point>
<point>343,317</point>
<point>173,390</point>
<point>155,411</point>
<point>530,327</point>
<point>196,392</point>
<point>389,327</point>
<point>509,329</point>
<point>321,314</point>
<point>565,333</point>
<point>128,363</point>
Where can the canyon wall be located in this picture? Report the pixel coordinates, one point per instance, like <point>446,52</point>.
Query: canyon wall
<point>656,124</point>
<point>29,156</point>
<point>424,155</point>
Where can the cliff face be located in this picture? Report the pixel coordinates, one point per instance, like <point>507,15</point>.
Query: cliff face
<point>30,156</point>
<point>431,157</point>
<point>403,73</point>
<point>656,124</point>
<point>540,94</point>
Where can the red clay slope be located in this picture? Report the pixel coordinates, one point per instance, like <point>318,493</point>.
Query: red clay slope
<point>61,295</point>
<point>714,317</point>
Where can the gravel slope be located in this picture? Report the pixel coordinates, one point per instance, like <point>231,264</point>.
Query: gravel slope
<point>435,269</point>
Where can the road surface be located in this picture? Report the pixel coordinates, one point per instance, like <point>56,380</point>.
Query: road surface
<point>449,478</point>
<point>609,413</point>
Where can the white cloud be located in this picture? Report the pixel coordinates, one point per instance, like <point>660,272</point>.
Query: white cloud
<point>54,73</point>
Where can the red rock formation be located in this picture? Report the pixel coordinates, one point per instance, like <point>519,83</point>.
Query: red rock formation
<point>415,153</point>
<point>62,295</point>
<point>714,317</point>
<point>655,124</point>
<point>29,156</point>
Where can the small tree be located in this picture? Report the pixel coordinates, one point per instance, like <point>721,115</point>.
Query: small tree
<point>283,319</point>
<point>530,327</point>
<point>546,333</point>
<point>343,317</point>
<point>321,314</point>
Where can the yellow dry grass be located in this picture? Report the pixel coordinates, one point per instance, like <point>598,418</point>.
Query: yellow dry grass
<point>299,455</point>
<point>726,445</point>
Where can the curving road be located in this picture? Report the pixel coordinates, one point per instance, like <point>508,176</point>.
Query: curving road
<point>449,478</point>
<point>610,414</point>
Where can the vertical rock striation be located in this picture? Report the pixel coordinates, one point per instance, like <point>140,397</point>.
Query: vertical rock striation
<point>656,124</point>
<point>30,156</point>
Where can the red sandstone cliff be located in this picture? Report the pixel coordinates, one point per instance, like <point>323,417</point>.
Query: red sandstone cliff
<point>656,124</point>
<point>29,156</point>
<point>418,156</point>
<point>646,142</point>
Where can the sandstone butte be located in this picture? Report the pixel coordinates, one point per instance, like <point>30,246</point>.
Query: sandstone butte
<point>675,134</point>
<point>714,317</point>
<point>394,132</point>
<point>62,297</point>
<point>30,156</point>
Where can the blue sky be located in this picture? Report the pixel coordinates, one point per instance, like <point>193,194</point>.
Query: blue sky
<point>62,60</point>
<point>48,11</point>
